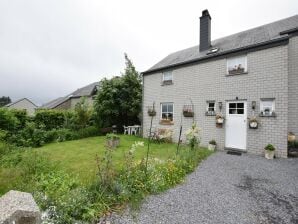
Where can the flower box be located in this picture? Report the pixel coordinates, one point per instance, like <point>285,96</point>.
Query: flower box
<point>151,113</point>
<point>166,122</point>
<point>188,113</point>
<point>236,71</point>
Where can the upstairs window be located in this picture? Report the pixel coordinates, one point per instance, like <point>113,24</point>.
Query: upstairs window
<point>210,110</point>
<point>267,107</point>
<point>167,111</point>
<point>237,65</point>
<point>167,78</point>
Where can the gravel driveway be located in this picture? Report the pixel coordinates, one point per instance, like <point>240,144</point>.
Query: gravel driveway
<point>227,189</point>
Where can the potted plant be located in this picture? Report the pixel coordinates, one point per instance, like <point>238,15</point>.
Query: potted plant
<point>151,112</point>
<point>253,123</point>
<point>219,119</point>
<point>269,151</point>
<point>188,112</point>
<point>212,145</point>
<point>113,140</point>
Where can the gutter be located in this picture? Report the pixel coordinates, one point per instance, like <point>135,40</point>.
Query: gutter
<point>267,44</point>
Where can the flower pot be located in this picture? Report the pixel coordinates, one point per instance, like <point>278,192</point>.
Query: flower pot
<point>253,124</point>
<point>269,154</point>
<point>188,113</point>
<point>291,137</point>
<point>211,147</point>
<point>152,113</point>
<point>113,143</point>
<point>219,120</point>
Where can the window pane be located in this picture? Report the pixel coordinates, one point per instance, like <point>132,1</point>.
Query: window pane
<point>170,116</point>
<point>164,116</point>
<point>211,104</point>
<point>164,108</point>
<point>167,76</point>
<point>240,105</point>
<point>170,108</point>
<point>211,109</point>
<point>240,111</point>
<point>232,105</point>
<point>232,111</point>
<point>237,64</point>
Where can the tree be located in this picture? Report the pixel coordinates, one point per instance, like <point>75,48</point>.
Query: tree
<point>83,113</point>
<point>118,101</point>
<point>4,100</point>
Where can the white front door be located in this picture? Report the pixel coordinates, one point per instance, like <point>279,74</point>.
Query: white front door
<point>236,126</point>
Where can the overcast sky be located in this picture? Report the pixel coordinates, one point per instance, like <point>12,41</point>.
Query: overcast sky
<point>49,48</point>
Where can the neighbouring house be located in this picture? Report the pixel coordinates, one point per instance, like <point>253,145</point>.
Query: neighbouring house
<point>23,104</point>
<point>69,101</point>
<point>245,77</point>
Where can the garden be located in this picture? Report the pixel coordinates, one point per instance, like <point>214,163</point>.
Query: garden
<point>78,170</point>
<point>85,179</point>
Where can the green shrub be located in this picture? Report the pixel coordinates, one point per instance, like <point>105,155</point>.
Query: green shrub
<point>22,117</point>
<point>82,113</point>
<point>7,120</point>
<point>270,147</point>
<point>88,132</point>
<point>49,119</point>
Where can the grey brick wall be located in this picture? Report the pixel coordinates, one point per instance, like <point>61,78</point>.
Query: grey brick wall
<point>293,85</point>
<point>267,78</point>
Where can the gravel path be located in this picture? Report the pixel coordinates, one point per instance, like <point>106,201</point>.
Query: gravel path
<point>227,189</point>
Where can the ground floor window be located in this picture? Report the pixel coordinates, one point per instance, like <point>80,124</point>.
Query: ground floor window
<point>210,110</point>
<point>267,107</point>
<point>167,111</point>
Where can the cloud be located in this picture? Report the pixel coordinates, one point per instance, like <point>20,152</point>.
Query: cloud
<point>51,48</point>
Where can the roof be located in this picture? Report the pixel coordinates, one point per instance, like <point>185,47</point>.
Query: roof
<point>261,35</point>
<point>88,90</point>
<point>17,101</point>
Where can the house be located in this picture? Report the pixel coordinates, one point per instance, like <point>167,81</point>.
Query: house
<point>69,101</point>
<point>251,74</point>
<point>23,104</point>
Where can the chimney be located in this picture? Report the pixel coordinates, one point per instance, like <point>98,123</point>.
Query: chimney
<point>205,30</point>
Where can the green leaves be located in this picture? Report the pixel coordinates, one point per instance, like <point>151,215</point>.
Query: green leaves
<point>119,99</point>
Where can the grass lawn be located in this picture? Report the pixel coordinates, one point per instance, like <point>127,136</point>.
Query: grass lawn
<point>79,157</point>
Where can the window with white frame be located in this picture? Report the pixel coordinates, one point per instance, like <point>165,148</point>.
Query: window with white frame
<point>267,107</point>
<point>167,77</point>
<point>167,111</point>
<point>237,65</point>
<point>210,109</point>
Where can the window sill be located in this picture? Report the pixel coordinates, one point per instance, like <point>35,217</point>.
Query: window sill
<point>166,122</point>
<point>167,83</point>
<point>237,73</point>
<point>210,114</point>
<point>263,115</point>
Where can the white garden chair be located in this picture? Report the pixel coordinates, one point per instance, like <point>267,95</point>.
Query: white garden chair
<point>125,129</point>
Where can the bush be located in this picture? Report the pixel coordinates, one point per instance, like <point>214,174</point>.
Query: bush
<point>83,114</point>
<point>22,117</point>
<point>49,119</point>
<point>270,147</point>
<point>7,120</point>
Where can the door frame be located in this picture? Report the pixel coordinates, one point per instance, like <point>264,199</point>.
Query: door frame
<point>245,121</point>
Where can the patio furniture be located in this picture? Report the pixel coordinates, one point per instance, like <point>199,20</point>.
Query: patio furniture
<point>134,129</point>
<point>125,129</point>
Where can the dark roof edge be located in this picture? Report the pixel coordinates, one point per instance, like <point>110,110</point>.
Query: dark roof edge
<point>13,103</point>
<point>290,31</point>
<point>273,43</point>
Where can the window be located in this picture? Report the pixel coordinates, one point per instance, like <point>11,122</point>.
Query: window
<point>267,107</point>
<point>236,108</point>
<point>210,110</point>
<point>167,78</point>
<point>237,65</point>
<point>167,111</point>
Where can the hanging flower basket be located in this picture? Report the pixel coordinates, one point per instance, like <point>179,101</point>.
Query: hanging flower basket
<point>219,119</point>
<point>188,111</point>
<point>151,111</point>
<point>253,123</point>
